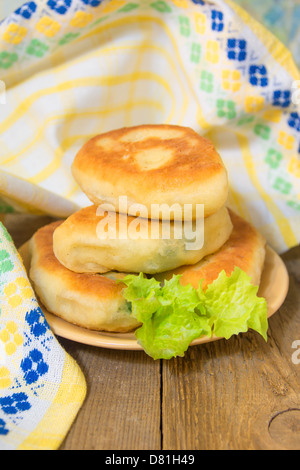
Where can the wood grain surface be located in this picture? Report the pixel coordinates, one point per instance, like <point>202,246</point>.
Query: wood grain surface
<point>241,394</point>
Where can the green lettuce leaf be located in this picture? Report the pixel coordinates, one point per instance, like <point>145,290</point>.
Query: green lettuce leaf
<point>143,295</point>
<point>233,307</point>
<point>173,315</point>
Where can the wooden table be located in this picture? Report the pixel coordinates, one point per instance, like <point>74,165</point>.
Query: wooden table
<point>241,394</point>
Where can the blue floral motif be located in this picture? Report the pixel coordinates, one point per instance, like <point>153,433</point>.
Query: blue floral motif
<point>34,366</point>
<point>37,322</point>
<point>258,75</point>
<point>236,49</point>
<point>14,404</point>
<point>27,10</point>
<point>198,2</point>
<point>3,430</point>
<point>60,6</point>
<point>217,20</point>
<point>92,3</point>
<point>282,98</point>
<point>294,121</point>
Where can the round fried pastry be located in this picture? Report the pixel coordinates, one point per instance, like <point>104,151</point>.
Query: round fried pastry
<point>91,301</point>
<point>165,165</point>
<point>245,248</point>
<point>79,245</point>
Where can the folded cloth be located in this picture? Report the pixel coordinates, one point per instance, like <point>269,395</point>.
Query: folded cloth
<point>282,17</point>
<point>41,387</point>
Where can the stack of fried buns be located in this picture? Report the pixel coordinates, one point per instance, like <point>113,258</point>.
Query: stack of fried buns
<point>75,263</point>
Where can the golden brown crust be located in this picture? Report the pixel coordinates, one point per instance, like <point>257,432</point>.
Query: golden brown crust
<point>245,249</point>
<point>95,301</point>
<point>92,284</point>
<point>89,300</point>
<point>152,164</point>
<point>79,246</point>
<point>183,167</point>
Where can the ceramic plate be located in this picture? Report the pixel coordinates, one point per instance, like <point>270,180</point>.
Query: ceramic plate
<point>274,287</point>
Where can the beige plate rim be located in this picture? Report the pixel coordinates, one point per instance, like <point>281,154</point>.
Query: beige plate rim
<point>274,287</point>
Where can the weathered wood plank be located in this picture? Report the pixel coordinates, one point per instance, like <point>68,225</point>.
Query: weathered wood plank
<point>232,394</point>
<point>122,409</point>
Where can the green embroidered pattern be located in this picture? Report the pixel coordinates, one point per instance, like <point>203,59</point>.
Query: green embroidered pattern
<point>7,59</point>
<point>226,109</point>
<point>37,48</point>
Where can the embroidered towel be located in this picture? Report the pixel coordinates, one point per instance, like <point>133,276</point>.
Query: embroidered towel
<point>41,386</point>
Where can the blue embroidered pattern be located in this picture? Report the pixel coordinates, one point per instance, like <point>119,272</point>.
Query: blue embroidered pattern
<point>217,20</point>
<point>34,366</point>
<point>92,3</point>
<point>27,10</point>
<point>258,75</point>
<point>236,49</point>
<point>60,6</point>
<point>3,430</point>
<point>282,98</point>
<point>37,322</point>
<point>14,404</point>
<point>294,121</point>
